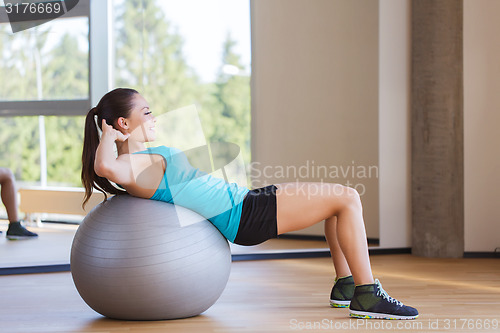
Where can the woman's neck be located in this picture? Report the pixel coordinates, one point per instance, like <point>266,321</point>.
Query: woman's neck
<point>129,147</point>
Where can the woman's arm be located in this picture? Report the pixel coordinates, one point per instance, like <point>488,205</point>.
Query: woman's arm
<point>106,164</point>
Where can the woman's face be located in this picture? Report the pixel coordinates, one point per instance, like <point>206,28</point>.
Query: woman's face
<point>141,122</point>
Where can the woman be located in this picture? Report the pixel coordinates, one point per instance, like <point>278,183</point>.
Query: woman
<point>243,217</point>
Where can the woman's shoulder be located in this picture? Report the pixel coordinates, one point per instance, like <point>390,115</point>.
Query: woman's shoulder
<point>165,151</point>
<point>153,150</point>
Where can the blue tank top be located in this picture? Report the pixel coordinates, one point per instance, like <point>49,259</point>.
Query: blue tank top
<point>213,198</point>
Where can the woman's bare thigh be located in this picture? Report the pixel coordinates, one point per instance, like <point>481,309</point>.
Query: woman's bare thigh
<point>300,205</point>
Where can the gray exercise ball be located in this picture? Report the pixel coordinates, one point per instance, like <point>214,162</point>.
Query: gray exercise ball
<point>140,259</point>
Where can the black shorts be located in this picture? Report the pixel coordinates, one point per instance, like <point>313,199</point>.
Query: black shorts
<point>258,217</point>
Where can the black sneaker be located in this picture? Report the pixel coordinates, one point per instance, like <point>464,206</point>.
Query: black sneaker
<point>342,292</point>
<point>371,301</point>
<point>17,231</point>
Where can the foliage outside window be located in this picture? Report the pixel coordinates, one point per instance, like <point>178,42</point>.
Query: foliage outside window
<point>149,56</point>
<point>48,62</point>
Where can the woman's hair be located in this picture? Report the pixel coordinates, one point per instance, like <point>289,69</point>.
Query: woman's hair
<point>115,104</point>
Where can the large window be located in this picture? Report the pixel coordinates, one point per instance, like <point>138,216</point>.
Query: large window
<point>44,71</point>
<point>177,53</point>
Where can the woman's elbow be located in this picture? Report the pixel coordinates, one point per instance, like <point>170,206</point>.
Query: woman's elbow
<point>101,169</point>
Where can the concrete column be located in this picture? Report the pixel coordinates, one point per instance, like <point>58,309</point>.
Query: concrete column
<point>437,128</point>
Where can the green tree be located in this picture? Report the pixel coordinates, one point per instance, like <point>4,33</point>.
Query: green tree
<point>19,62</point>
<point>19,145</point>
<point>149,57</point>
<point>228,118</point>
<point>65,74</point>
<point>64,138</point>
<point>19,148</point>
<point>66,71</point>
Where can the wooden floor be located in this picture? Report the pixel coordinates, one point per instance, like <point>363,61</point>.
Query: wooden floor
<point>452,295</point>
<point>52,247</point>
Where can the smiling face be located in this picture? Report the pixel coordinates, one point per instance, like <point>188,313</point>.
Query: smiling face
<point>140,123</point>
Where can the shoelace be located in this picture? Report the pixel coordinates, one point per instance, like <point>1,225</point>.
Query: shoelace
<point>385,295</point>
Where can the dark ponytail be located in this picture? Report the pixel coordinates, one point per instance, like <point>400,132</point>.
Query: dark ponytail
<point>115,104</point>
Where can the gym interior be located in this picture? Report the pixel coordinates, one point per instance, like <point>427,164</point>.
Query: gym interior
<point>397,99</point>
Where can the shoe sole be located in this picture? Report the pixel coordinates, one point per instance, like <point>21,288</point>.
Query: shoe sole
<point>339,304</point>
<point>20,237</point>
<point>374,315</point>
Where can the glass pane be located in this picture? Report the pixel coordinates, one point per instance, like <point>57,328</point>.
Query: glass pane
<point>180,54</point>
<point>47,62</point>
<point>20,148</point>
<point>62,139</point>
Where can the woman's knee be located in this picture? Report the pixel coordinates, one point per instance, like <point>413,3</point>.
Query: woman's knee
<point>350,198</point>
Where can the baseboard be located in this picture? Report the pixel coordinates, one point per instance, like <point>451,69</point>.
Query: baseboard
<point>305,253</point>
<point>371,241</point>
<point>298,254</point>
<point>281,255</point>
<point>482,254</point>
<point>34,269</point>
<point>303,237</point>
<point>398,250</point>
<point>65,222</point>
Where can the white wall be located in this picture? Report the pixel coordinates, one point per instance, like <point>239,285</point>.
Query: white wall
<point>315,91</point>
<point>331,84</point>
<point>482,124</point>
<point>394,123</point>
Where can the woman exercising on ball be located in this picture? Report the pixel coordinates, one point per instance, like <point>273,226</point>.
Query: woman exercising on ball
<point>244,217</point>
